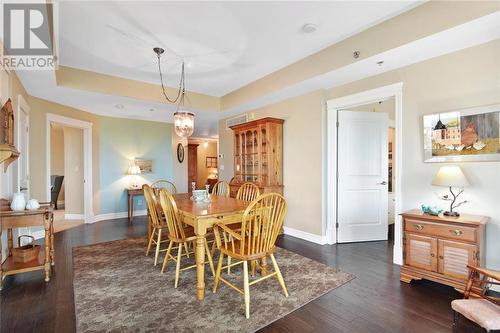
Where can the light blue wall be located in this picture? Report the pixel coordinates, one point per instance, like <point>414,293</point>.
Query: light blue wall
<point>122,140</point>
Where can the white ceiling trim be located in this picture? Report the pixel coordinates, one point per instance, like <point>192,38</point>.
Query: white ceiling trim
<point>472,33</point>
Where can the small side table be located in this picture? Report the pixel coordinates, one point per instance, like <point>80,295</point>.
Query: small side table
<point>29,218</point>
<point>131,193</point>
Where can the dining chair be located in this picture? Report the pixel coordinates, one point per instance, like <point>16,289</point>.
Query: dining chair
<point>221,188</point>
<point>162,183</point>
<point>178,234</point>
<point>157,222</point>
<point>248,192</point>
<point>477,305</point>
<point>260,226</point>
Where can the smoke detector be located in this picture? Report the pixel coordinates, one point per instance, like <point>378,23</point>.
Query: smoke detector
<point>309,28</point>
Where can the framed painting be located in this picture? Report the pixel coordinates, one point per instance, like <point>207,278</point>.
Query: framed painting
<point>463,135</point>
<point>146,166</point>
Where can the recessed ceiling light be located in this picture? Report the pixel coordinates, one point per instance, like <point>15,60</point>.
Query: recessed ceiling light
<point>119,106</point>
<point>380,63</point>
<point>309,28</point>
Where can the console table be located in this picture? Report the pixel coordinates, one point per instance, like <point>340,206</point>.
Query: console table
<point>439,248</point>
<point>30,218</point>
<point>131,193</point>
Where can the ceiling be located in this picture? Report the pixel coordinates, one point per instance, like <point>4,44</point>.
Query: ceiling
<point>225,45</point>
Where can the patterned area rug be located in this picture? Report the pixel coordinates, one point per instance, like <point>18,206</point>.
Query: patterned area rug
<point>117,289</point>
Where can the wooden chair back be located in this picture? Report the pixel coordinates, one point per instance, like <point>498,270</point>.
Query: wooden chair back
<point>172,217</point>
<point>162,183</point>
<point>484,279</point>
<point>261,224</point>
<point>221,188</point>
<point>153,206</point>
<point>248,192</point>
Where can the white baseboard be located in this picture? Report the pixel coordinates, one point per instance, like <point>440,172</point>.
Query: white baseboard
<point>60,202</point>
<point>318,239</point>
<point>112,216</point>
<point>397,257</point>
<point>74,216</point>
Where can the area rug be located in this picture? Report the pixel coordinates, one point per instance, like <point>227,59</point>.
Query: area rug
<point>117,289</point>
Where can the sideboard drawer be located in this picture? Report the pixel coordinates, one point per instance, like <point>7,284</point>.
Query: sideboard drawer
<point>441,230</point>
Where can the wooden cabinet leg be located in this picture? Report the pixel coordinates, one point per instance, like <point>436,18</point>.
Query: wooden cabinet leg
<point>47,250</point>
<point>10,243</point>
<point>52,260</point>
<point>405,278</point>
<point>1,260</point>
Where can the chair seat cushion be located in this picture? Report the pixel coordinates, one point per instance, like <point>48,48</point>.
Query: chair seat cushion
<point>481,311</point>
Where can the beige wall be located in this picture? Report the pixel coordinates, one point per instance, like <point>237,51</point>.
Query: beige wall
<point>179,170</point>
<point>57,155</point>
<point>302,157</point>
<point>463,79</point>
<point>203,152</point>
<point>38,152</point>
<point>73,170</point>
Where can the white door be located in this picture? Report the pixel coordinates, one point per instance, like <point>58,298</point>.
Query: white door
<point>23,183</point>
<point>362,176</point>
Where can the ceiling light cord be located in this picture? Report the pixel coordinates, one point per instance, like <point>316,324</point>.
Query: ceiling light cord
<point>180,91</point>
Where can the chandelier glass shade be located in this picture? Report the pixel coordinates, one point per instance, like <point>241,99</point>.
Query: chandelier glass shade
<point>183,120</point>
<point>183,123</point>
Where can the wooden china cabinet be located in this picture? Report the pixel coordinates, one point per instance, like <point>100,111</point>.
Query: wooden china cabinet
<point>439,248</point>
<point>258,155</point>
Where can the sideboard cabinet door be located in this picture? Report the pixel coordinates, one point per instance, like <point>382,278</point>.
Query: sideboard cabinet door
<point>454,258</point>
<point>421,252</point>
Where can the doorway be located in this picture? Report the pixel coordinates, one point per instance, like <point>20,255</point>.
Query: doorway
<point>69,170</point>
<point>202,162</point>
<point>360,160</point>
<point>365,141</point>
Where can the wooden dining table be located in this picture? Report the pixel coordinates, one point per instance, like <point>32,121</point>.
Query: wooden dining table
<point>202,216</point>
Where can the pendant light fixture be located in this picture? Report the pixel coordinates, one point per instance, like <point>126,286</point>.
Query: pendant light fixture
<point>183,120</point>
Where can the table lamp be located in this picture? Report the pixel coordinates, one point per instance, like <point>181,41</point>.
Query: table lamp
<point>451,176</point>
<point>133,171</point>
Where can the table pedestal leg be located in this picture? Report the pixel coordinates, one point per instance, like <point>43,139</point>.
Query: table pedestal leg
<point>130,206</point>
<point>200,267</point>
<point>263,267</point>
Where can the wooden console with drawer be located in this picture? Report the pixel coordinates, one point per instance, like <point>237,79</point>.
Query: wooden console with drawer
<point>439,248</point>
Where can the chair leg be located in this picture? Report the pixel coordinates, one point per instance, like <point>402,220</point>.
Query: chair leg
<point>178,266</point>
<point>219,269</point>
<point>456,317</point>
<point>246,289</point>
<point>187,249</point>
<point>279,276</point>
<point>253,265</point>
<point>165,261</point>
<point>228,265</point>
<point>209,256</point>
<point>150,241</point>
<point>158,243</point>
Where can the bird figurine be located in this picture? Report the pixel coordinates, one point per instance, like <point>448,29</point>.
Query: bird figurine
<point>469,135</point>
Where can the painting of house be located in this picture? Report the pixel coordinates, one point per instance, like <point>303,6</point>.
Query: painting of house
<point>468,135</point>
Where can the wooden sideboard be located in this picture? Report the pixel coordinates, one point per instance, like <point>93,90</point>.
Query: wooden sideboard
<point>439,248</point>
<point>258,155</point>
<point>29,218</point>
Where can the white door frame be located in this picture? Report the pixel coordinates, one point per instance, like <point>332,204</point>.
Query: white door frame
<point>22,106</point>
<point>87,159</point>
<point>362,98</point>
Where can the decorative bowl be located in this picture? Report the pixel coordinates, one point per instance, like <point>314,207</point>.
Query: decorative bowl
<point>199,195</point>
<point>431,210</point>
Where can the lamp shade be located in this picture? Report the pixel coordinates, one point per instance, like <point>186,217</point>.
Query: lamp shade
<point>450,175</point>
<point>134,170</point>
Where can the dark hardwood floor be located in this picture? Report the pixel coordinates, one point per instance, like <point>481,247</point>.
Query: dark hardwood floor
<point>373,302</point>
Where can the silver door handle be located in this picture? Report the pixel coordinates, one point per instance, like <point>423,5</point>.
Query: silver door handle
<point>382,183</point>
<point>23,188</point>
